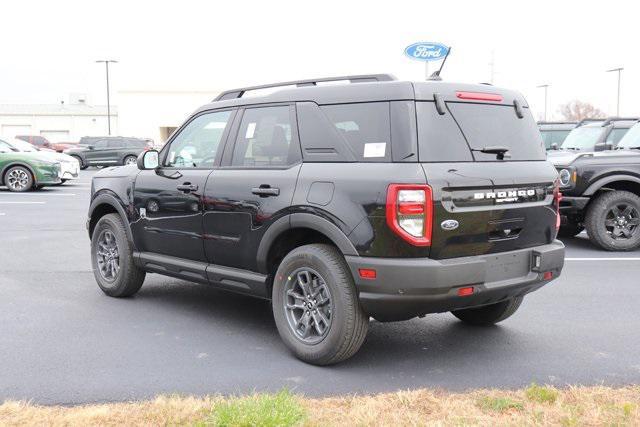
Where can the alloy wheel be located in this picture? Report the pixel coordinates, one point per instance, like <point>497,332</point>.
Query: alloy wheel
<point>622,221</point>
<point>308,305</point>
<point>107,256</point>
<point>130,160</point>
<point>17,179</point>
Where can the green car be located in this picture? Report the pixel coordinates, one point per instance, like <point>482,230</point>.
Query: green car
<point>21,171</point>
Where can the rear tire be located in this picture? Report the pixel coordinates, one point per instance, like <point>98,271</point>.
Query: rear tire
<point>112,258</point>
<point>129,160</point>
<point>314,282</point>
<point>570,230</point>
<point>489,314</point>
<point>609,224</point>
<point>18,179</point>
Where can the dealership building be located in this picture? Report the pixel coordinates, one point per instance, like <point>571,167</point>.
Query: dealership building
<point>57,122</point>
<point>152,114</point>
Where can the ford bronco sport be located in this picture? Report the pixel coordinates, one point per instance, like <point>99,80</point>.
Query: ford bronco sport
<point>378,198</point>
<point>601,193</point>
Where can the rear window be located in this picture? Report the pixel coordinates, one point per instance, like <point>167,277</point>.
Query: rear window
<point>365,127</point>
<point>467,127</point>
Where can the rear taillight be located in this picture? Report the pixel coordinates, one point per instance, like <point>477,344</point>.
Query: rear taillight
<point>557,198</point>
<point>410,212</point>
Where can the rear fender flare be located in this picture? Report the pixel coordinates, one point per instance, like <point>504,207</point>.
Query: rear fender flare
<point>303,220</point>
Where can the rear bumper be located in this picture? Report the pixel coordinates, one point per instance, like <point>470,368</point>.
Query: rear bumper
<point>409,287</point>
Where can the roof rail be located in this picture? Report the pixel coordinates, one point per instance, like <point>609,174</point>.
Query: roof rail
<point>557,122</point>
<point>619,119</point>
<point>363,78</point>
<point>583,121</point>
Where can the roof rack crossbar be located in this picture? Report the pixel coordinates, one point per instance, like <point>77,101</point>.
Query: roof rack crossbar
<point>362,78</point>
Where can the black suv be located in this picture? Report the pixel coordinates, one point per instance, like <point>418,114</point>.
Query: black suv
<point>107,150</point>
<point>601,192</point>
<point>592,135</point>
<point>338,203</point>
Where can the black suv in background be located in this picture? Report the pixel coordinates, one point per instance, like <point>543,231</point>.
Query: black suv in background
<point>554,133</point>
<point>601,192</point>
<point>108,150</point>
<point>592,135</point>
<point>379,198</point>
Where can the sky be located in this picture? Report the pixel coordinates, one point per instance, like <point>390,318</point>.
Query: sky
<point>49,48</point>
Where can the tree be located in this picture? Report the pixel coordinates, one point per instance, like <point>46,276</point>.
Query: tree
<point>578,110</point>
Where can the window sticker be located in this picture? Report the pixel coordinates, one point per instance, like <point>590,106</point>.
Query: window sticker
<point>251,129</point>
<point>375,149</point>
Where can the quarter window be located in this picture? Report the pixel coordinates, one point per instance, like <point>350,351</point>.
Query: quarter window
<point>198,142</point>
<point>365,127</point>
<point>265,138</point>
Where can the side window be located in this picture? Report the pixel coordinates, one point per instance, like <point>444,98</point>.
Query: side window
<point>365,127</point>
<point>115,143</point>
<point>616,135</point>
<point>197,143</point>
<point>265,138</point>
<point>100,144</point>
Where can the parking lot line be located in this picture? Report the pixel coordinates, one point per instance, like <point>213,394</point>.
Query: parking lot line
<point>37,194</point>
<point>604,259</point>
<point>22,203</point>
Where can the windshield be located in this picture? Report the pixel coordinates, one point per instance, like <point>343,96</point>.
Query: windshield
<point>583,138</point>
<point>631,139</point>
<point>20,145</point>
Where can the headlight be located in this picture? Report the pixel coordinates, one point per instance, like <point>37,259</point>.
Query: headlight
<point>565,177</point>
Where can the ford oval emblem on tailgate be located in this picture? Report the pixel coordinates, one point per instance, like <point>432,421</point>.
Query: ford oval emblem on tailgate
<point>449,224</point>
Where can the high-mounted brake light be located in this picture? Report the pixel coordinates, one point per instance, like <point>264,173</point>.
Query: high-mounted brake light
<point>479,96</point>
<point>410,212</point>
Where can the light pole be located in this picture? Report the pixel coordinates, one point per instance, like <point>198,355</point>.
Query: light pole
<point>106,64</point>
<point>546,87</point>
<point>619,70</point>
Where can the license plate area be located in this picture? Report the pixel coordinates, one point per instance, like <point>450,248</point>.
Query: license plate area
<point>509,266</point>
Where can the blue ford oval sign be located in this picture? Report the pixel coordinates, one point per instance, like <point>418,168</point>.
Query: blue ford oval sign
<point>426,51</point>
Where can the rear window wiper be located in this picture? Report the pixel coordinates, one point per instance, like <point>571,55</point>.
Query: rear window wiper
<point>498,150</point>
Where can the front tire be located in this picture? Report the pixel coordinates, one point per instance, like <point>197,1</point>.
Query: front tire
<point>489,314</point>
<point>316,306</point>
<point>613,221</point>
<point>18,179</point>
<point>112,258</point>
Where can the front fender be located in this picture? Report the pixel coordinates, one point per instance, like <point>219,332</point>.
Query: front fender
<point>601,182</point>
<point>112,201</point>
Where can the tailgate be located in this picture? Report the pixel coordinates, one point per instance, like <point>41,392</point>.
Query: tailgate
<point>496,206</point>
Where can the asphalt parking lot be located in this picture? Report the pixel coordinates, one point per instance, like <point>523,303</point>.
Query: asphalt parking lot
<point>63,341</point>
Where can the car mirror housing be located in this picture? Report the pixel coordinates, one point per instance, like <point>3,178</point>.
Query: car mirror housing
<point>148,160</point>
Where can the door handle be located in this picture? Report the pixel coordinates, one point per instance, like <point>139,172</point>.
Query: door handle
<point>266,191</point>
<point>187,187</point>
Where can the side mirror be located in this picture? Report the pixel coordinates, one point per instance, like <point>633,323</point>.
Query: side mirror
<point>90,147</point>
<point>148,160</point>
<point>601,146</point>
<point>554,146</point>
<point>609,145</point>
